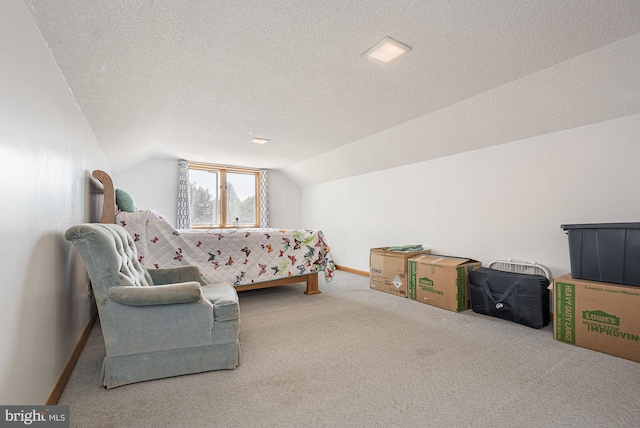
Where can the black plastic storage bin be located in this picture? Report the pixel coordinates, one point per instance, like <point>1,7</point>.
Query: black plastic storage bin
<point>605,252</point>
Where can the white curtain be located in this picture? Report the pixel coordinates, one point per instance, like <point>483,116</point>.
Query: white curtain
<point>264,199</point>
<point>184,219</point>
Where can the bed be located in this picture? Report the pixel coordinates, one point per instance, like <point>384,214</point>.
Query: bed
<point>247,258</point>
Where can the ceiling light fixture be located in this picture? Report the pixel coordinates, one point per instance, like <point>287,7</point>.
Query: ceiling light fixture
<point>259,140</point>
<point>386,50</point>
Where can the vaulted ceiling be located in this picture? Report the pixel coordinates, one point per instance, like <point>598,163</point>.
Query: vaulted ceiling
<point>196,80</point>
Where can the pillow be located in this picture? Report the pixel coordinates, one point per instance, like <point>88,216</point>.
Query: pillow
<point>125,201</point>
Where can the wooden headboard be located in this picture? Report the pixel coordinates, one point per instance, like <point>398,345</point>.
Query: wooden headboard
<point>108,203</point>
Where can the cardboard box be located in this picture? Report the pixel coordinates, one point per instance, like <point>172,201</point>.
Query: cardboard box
<point>441,281</point>
<point>388,270</point>
<point>600,316</point>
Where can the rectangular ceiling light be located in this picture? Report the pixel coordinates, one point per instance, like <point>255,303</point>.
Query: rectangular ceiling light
<point>259,140</point>
<point>386,50</point>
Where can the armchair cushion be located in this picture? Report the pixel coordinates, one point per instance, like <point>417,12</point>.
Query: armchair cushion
<point>176,274</point>
<point>186,292</point>
<point>224,299</point>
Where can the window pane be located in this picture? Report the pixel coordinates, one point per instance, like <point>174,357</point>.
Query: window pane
<point>204,188</point>
<point>241,199</point>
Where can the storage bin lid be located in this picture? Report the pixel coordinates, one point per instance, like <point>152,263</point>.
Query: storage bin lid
<point>601,226</point>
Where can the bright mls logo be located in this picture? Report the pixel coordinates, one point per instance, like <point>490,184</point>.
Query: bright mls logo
<point>36,416</point>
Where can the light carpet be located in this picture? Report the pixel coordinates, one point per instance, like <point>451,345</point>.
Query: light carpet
<point>355,357</point>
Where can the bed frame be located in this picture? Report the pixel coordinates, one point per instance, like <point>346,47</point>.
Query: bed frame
<point>109,215</point>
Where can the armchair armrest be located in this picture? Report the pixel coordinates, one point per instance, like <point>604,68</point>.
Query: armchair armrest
<point>175,275</point>
<point>185,292</point>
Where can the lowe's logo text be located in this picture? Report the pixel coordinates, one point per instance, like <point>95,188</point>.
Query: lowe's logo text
<point>601,316</point>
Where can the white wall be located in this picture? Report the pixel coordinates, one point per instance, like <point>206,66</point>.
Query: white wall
<point>506,201</point>
<point>47,151</point>
<point>284,202</point>
<point>154,185</point>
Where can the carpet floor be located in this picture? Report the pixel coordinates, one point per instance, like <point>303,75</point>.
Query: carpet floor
<point>355,357</point>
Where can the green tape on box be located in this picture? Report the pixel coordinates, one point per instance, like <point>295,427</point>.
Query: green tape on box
<point>460,282</point>
<point>565,312</point>
<point>412,280</point>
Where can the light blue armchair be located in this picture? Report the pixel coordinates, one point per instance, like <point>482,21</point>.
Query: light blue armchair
<point>157,323</point>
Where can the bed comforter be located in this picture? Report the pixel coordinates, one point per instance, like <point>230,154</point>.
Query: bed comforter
<point>236,256</point>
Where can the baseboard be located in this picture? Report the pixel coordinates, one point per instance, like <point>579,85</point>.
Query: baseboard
<point>71,363</point>
<point>350,270</point>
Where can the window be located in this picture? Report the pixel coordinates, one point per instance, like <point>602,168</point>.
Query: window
<point>223,196</point>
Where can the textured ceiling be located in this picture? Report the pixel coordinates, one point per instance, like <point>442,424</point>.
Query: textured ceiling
<point>196,80</point>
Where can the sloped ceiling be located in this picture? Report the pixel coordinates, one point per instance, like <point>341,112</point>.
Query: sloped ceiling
<point>197,80</point>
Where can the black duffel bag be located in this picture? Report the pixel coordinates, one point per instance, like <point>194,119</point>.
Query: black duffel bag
<point>518,297</point>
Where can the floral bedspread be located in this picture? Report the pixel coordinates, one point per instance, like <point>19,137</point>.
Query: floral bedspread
<point>237,256</point>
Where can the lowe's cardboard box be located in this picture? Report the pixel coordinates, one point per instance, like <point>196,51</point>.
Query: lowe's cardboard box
<point>441,281</point>
<point>597,315</point>
<point>388,270</point>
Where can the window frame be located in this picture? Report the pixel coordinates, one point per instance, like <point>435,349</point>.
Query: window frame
<point>222,170</point>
